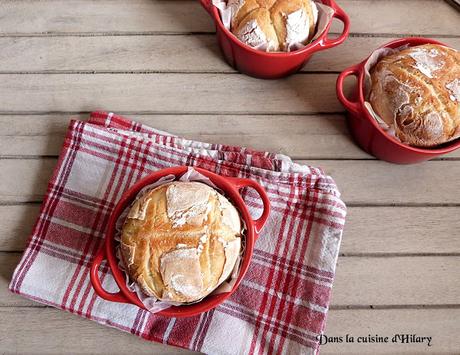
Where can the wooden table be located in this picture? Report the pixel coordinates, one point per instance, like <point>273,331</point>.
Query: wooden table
<point>158,62</point>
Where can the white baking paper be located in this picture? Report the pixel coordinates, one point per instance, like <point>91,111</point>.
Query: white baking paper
<point>324,16</point>
<point>152,303</point>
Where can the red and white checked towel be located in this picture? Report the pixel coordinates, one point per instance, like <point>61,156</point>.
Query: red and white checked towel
<point>281,305</point>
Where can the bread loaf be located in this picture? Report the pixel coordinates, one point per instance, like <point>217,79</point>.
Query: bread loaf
<point>180,241</point>
<point>417,91</point>
<point>274,23</point>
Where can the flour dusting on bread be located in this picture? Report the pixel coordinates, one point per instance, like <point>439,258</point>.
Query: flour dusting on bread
<point>297,27</point>
<point>181,272</point>
<point>427,61</point>
<point>187,203</point>
<point>251,34</point>
<point>230,216</point>
<point>139,209</point>
<point>454,89</point>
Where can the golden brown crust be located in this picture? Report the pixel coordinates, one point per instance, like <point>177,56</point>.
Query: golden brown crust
<point>256,29</point>
<point>269,22</point>
<point>174,241</point>
<point>414,92</point>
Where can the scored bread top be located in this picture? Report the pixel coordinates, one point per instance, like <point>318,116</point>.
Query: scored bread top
<point>180,241</point>
<point>275,23</point>
<point>417,91</point>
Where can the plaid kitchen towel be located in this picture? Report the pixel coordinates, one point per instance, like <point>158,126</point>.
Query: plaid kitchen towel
<point>281,305</point>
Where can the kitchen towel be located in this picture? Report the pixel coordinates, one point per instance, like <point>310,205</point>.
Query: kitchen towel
<point>282,303</point>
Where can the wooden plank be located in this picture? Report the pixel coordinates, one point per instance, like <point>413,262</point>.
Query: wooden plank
<point>413,17</point>
<point>313,136</point>
<point>441,324</point>
<point>155,53</point>
<point>378,182</point>
<point>415,230</point>
<point>145,16</point>
<point>16,222</point>
<point>114,53</point>
<point>323,136</point>
<point>395,281</point>
<point>176,93</point>
<point>106,16</point>
<point>48,329</point>
<point>18,186</point>
<point>424,230</point>
<point>25,180</point>
<point>8,262</point>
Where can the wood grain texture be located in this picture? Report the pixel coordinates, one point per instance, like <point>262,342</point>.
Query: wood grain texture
<point>8,262</point>
<point>48,329</point>
<point>322,136</point>
<point>178,16</point>
<point>25,180</point>
<point>414,230</point>
<point>16,225</point>
<point>106,16</point>
<point>395,230</point>
<point>378,182</point>
<point>312,136</point>
<point>395,281</point>
<point>155,53</point>
<point>176,93</point>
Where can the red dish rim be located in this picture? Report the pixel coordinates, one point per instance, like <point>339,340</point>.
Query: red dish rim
<point>230,186</point>
<point>359,108</point>
<point>321,41</point>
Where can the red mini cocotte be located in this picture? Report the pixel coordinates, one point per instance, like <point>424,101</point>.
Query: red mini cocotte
<point>230,187</point>
<point>365,129</point>
<point>272,65</point>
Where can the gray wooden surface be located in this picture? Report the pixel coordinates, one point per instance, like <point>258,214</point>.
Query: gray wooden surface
<point>158,62</point>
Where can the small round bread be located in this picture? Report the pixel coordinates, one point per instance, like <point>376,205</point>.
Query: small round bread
<point>274,23</point>
<point>180,241</point>
<point>417,92</point>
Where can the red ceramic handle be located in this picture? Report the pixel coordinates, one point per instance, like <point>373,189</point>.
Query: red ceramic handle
<point>239,184</point>
<point>349,105</point>
<point>342,16</point>
<point>94,276</point>
<point>207,4</point>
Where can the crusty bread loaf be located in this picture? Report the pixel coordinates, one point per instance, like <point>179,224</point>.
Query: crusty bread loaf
<point>274,23</point>
<point>417,91</point>
<point>180,241</point>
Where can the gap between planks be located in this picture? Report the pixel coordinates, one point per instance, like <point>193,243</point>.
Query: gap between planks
<point>141,72</point>
<point>203,33</point>
<point>331,308</point>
